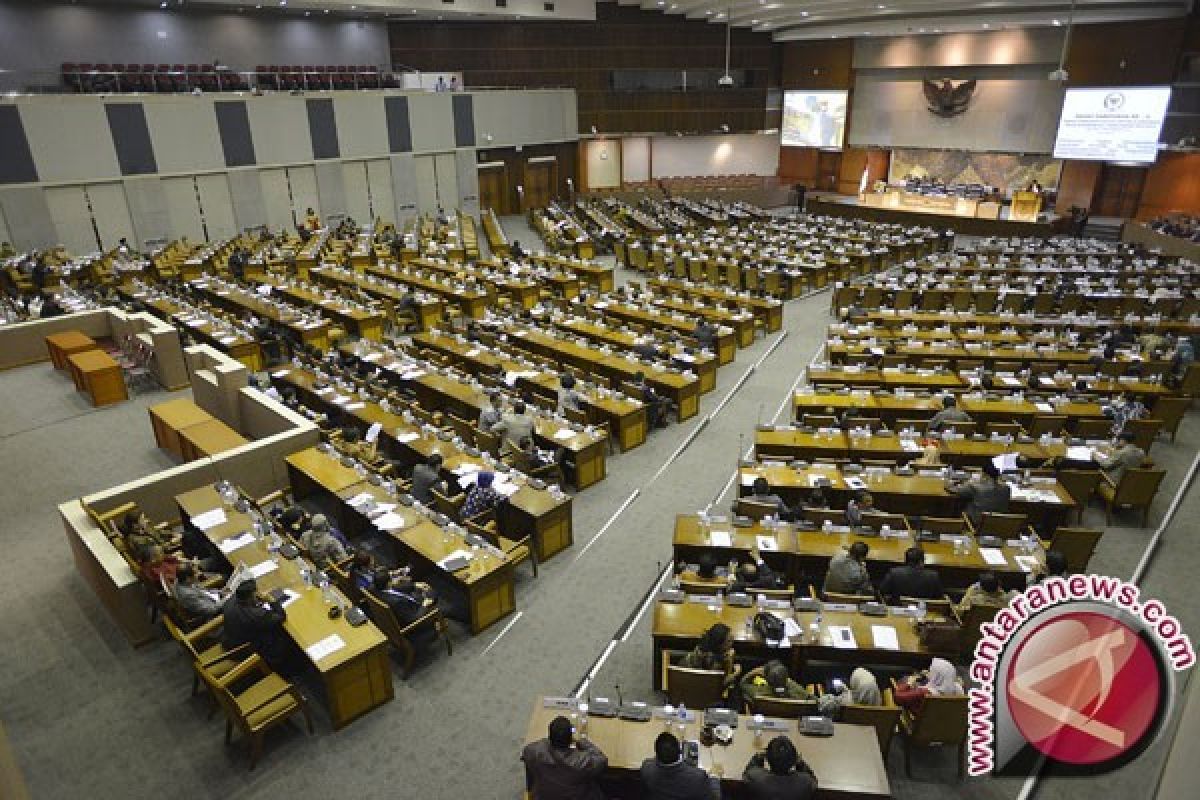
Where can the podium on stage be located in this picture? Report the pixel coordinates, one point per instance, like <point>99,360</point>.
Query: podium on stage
<point>1026,206</point>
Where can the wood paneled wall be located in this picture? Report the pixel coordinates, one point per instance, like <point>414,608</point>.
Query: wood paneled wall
<point>1126,53</point>
<point>567,154</point>
<point>1077,184</point>
<point>1172,184</point>
<point>582,55</point>
<point>819,65</point>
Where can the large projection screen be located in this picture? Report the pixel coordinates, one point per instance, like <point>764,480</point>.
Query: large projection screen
<point>1119,124</point>
<point>814,119</point>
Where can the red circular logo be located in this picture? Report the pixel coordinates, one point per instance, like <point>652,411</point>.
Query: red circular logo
<point>1084,688</point>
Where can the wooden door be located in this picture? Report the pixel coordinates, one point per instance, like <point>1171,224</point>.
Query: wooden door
<point>1119,191</point>
<point>493,189</point>
<point>540,180</point>
<point>829,164</point>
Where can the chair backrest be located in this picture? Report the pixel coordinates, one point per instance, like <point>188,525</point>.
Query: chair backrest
<point>941,721</point>
<point>1170,410</point>
<point>701,586</point>
<point>972,620</point>
<point>877,519</point>
<point>1077,544</point>
<point>1093,428</point>
<point>964,427</point>
<point>342,579</point>
<point>918,425</point>
<point>940,605</point>
<point>882,718</point>
<point>839,597</point>
<point>819,421</point>
<point>698,688</point>
<point>381,614</point>
<point>1006,525</point>
<point>753,509</point>
<point>487,441</point>
<point>1047,423</point>
<point>450,506</point>
<point>942,524</point>
<point>820,515</point>
<point>783,707</point>
<point>1145,431</point>
<point>1003,428</point>
<point>1138,486</point>
<point>1080,483</point>
<point>463,428</point>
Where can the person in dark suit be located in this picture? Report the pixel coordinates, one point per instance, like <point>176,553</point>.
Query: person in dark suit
<point>911,580</point>
<point>668,777</point>
<point>657,406</point>
<point>248,620</point>
<point>781,774</point>
<point>706,334</point>
<point>761,493</point>
<point>516,251</point>
<point>407,599</point>
<point>755,574</point>
<point>986,494</point>
<point>556,768</point>
<point>427,477</point>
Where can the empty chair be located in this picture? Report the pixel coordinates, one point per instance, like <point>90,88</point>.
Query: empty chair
<point>698,688</point>
<point>942,525</point>
<point>941,722</point>
<point>1081,484</point>
<point>1006,526</point>
<point>782,707</point>
<point>1003,429</point>
<point>1077,545</point>
<point>255,699</point>
<point>1170,410</point>
<point>1053,424</point>
<point>883,718</point>
<point>1145,432</point>
<point>1136,489</point>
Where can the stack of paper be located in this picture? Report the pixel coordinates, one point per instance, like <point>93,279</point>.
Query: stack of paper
<point>389,521</point>
<point>885,637</point>
<point>209,519</point>
<point>767,543</point>
<point>993,556</point>
<point>236,542</point>
<point>327,646</point>
<point>407,436</point>
<point>263,568</point>
<point>563,434</point>
<point>720,538</point>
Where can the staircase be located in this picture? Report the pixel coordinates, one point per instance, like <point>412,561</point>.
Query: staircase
<point>1106,229</point>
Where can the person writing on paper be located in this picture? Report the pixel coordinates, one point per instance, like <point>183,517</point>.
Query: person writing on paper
<point>427,477</point>
<point>984,494</point>
<point>491,416</point>
<point>987,591</point>
<point>407,598</point>
<point>755,574</point>
<point>862,690</point>
<point>561,768</point>
<point>780,774</point>
<point>320,544</point>
<point>1125,455</point>
<point>950,413</point>
<point>913,579</point>
<point>513,428</point>
<point>848,572</point>
<point>715,652</point>
<point>248,620</point>
<point>772,680</point>
<point>940,680</point>
<point>481,497</point>
<point>668,776</point>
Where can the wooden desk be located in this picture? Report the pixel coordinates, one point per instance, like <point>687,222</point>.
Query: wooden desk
<point>847,764</point>
<point>357,677</point>
<point>726,342</point>
<point>65,344</point>
<point>428,309</point>
<point>487,581</point>
<point>169,418</point>
<point>98,376</point>
<point>677,628</point>
<point>207,439</point>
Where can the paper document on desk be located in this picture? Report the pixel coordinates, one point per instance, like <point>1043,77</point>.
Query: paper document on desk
<point>467,469</point>
<point>1005,462</point>
<point>562,434</point>
<point>748,478</point>
<point>360,499</point>
<point>356,406</point>
<point>289,596</point>
<point>1007,381</point>
<point>279,373</point>
<point>464,555</point>
<point>389,522</point>
<point>885,637</point>
<point>407,436</point>
<point>720,539</point>
<point>1081,453</point>
<point>209,519</point>
<point>327,646</point>
<point>767,543</point>
<point>1027,563</point>
<point>236,542</point>
<point>1045,408</point>
<point>263,568</point>
<point>412,375</point>
<point>372,356</point>
<point>342,400</point>
<point>994,556</point>
<point>228,339</point>
<point>842,637</point>
<point>373,431</point>
<point>856,483</point>
<point>504,488</point>
<point>326,390</point>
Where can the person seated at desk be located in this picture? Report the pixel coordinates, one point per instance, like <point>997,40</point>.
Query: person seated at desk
<point>295,520</point>
<point>493,414</point>
<point>568,398</point>
<point>644,347</point>
<point>560,768</point>
<point>715,652</point>
<point>816,499</point>
<point>249,620</point>
<point>913,579</point>
<point>322,546</point>
<point>513,428</point>
<point>1055,567</point>
<point>516,251</point>
<point>353,446</point>
<point>194,599</point>
<point>780,774</point>
<point>657,406</point>
<point>1126,455</point>
<point>862,690</point>
<point>985,494</point>
<point>138,532</point>
<point>706,334</point>
<point>950,413</point>
<point>761,493</point>
<point>772,680</point>
<point>158,566</point>
<point>408,599</point>
<point>50,307</point>
<point>311,221</point>
<point>362,569</point>
<point>861,503</point>
<point>668,777</point>
<point>427,477</point>
<point>481,497</point>
<point>847,572</point>
<point>940,680</point>
<point>755,574</point>
<point>987,591</point>
<point>529,459</point>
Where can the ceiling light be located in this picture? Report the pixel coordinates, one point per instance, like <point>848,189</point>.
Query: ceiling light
<point>708,13</point>
<point>1056,22</point>
<point>804,13</point>
<point>753,22</point>
<point>163,4</point>
<point>881,6</point>
<point>661,3</point>
<point>986,25</point>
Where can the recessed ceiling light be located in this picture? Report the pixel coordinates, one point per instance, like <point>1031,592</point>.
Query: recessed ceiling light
<point>804,13</point>
<point>881,6</point>
<point>986,25</point>
<point>327,11</point>
<point>753,22</point>
<point>661,2</point>
<point>721,15</point>
<point>921,30</point>
<point>1056,22</point>
<point>708,13</point>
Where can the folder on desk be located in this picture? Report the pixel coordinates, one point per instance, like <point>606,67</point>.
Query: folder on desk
<point>884,637</point>
<point>720,539</point>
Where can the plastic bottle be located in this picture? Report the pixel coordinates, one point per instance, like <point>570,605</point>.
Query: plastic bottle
<point>683,718</point>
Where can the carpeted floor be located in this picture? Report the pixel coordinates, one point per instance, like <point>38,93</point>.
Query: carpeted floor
<point>88,715</point>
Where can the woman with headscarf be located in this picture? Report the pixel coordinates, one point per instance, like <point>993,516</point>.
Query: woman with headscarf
<point>862,690</point>
<point>715,652</point>
<point>940,680</point>
<point>482,497</point>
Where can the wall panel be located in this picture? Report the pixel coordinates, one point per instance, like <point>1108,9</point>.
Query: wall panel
<point>217,206</point>
<point>635,159</point>
<point>28,218</point>
<point>277,198</point>
<point>361,124</point>
<point>110,209</point>
<point>184,131</point>
<point>603,163</point>
<point>4,234</point>
<point>425,187</point>
<point>279,125</point>
<point>431,121</point>
<point>183,208</point>
<point>331,192</point>
<point>379,181</point>
<point>303,183</point>
<point>72,218</point>
<point>56,126</point>
<point>245,190</point>
<point>467,180</point>
<point>446,166</point>
<point>734,154</point>
<point>147,209</point>
<point>357,192</point>
<point>404,186</point>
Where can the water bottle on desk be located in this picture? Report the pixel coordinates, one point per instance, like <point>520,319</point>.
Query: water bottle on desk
<point>683,719</point>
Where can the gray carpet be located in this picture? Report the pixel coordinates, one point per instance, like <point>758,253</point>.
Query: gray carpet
<point>87,714</point>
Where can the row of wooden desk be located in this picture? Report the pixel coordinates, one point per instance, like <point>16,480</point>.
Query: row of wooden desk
<point>189,432</point>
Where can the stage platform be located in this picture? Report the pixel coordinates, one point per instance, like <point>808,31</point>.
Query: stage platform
<point>838,205</point>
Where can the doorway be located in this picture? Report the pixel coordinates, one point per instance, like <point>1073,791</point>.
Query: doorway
<point>1119,191</point>
<point>541,180</point>
<point>493,187</point>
